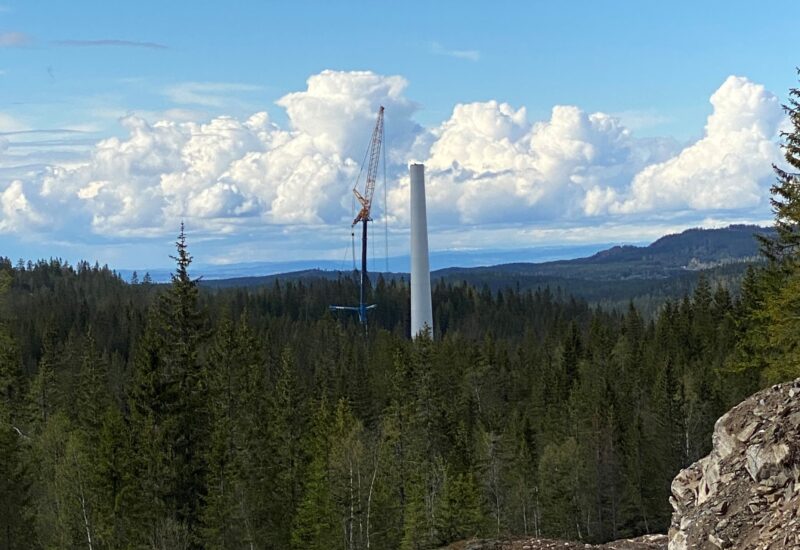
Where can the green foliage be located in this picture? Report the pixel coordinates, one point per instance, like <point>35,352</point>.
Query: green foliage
<point>315,526</point>
<point>176,417</point>
<point>15,512</point>
<point>559,472</point>
<point>769,317</point>
<point>16,515</point>
<point>170,414</point>
<point>110,474</point>
<point>461,513</point>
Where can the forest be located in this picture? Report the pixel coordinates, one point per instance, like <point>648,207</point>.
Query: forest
<point>135,415</point>
<point>163,416</point>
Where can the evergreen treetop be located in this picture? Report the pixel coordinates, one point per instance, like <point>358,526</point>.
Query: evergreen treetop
<point>786,191</point>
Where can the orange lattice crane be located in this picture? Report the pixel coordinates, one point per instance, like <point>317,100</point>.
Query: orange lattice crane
<point>374,154</point>
<point>373,157</point>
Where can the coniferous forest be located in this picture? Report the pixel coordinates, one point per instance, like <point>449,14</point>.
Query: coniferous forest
<point>135,415</point>
<point>139,415</point>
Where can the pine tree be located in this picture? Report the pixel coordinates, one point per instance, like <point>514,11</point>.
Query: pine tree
<point>566,421</point>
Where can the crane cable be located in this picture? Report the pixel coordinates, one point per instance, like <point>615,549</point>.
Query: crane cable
<point>353,244</point>
<point>353,204</point>
<point>351,250</point>
<point>352,232</point>
<point>343,263</point>
<point>385,202</point>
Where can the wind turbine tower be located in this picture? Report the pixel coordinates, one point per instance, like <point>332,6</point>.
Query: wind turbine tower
<point>421,308</point>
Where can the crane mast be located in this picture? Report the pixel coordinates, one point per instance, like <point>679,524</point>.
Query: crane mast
<point>374,154</point>
<point>373,157</point>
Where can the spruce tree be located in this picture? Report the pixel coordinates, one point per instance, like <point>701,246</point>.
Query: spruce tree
<point>189,414</point>
<point>170,408</point>
<point>785,246</point>
<point>315,525</point>
<point>93,396</point>
<point>149,397</point>
<point>776,321</point>
<point>234,505</point>
<point>15,511</point>
<point>112,481</point>
<point>44,393</point>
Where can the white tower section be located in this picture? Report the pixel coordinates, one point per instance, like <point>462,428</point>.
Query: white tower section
<point>421,309</point>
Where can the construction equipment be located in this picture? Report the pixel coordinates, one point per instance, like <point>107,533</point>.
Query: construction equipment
<point>365,200</point>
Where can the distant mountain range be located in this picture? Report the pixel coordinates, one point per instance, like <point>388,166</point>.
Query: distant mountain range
<point>691,250</point>
<point>645,275</point>
<point>396,264</point>
<point>667,268</point>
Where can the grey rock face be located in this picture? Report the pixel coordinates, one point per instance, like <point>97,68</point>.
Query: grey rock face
<point>647,542</point>
<point>746,493</point>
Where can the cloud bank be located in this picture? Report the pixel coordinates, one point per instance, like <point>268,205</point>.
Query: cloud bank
<point>487,165</point>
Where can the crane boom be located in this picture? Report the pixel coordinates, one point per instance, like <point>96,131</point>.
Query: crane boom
<point>374,154</point>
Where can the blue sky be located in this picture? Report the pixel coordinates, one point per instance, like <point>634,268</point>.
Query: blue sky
<point>540,123</point>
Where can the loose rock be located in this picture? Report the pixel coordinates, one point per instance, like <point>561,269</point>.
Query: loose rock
<point>751,477</point>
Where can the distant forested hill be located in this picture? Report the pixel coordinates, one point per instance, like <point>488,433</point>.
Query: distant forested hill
<point>646,275</point>
<point>691,250</point>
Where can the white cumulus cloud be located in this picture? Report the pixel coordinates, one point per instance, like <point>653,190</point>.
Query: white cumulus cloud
<point>228,172</point>
<point>729,168</point>
<point>337,107</point>
<point>487,164</point>
<point>17,211</point>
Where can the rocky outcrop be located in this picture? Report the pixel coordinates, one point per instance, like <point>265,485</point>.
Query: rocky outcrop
<point>647,542</point>
<point>746,493</point>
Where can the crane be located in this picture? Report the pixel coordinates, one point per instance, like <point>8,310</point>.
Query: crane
<point>365,200</point>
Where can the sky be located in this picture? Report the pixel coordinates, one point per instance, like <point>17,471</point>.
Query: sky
<point>540,123</point>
